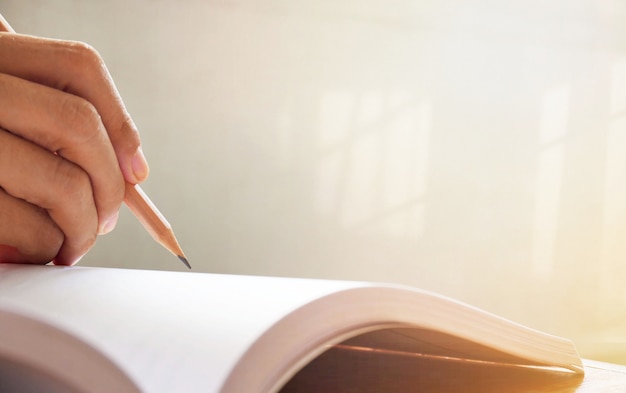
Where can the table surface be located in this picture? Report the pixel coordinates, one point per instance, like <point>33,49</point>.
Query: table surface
<point>600,377</point>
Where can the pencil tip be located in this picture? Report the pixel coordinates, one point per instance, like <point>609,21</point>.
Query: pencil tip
<point>182,258</point>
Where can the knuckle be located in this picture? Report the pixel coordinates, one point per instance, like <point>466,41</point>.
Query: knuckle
<point>74,247</point>
<point>82,62</point>
<point>82,56</point>
<point>74,207</point>
<point>81,118</point>
<point>30,229</point>
<point>82,242</point>
<point>110,199</point>
<point>85,242</point>
<point>118,191</point>
<point>90,240</point>
<point>48,239</point>
<point>72,182</point>
<point>131,136</point>
<point>124,135</point>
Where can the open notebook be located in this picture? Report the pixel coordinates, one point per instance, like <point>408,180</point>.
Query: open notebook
<point>82,329</point>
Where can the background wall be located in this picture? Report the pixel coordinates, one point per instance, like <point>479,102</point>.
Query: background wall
<point>475,148</point>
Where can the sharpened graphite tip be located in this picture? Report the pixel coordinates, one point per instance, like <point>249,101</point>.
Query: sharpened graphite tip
<point>184,261</point>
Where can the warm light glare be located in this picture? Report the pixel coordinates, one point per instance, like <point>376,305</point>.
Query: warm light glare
<point>549,174</point>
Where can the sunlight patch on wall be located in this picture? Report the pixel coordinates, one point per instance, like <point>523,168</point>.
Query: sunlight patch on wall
<point>370,109</point>
<point>337,112</point>
<point>614,214</point>
<point>371,173</point>
<point>554,115</point>
<point>361,180</point>
<point>553,128</point>
<point>618,87</point>
<point>327,180</point>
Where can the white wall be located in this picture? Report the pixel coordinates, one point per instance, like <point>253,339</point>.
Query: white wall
<point>476,148</point>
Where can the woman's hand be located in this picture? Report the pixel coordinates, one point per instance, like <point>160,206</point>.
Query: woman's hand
<point>67,145</point>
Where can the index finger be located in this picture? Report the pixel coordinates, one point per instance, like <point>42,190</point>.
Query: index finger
<point>77,68</point>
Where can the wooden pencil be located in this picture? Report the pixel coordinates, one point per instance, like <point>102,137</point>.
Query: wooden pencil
<point>140,205</point>
<point>5,26</point>
<point>152,219</point>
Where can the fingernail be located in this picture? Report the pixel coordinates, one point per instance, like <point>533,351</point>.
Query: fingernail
<point>140,165</point>
<point>109,225</point>
<point>10,254</point>
<point>67,262</point>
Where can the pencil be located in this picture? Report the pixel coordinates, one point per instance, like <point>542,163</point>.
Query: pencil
<point>152,219</point>
<point>140,205</point>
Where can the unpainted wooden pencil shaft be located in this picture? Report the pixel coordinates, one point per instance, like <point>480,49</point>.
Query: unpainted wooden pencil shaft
<point>152,219</point>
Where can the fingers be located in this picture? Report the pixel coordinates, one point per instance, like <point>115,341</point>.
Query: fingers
<point>35,175</point>
<point>70,126</point>
<point>27,234</point>
<point>78,69</point>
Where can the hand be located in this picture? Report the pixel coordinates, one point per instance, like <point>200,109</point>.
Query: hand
<point>66,146</point>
